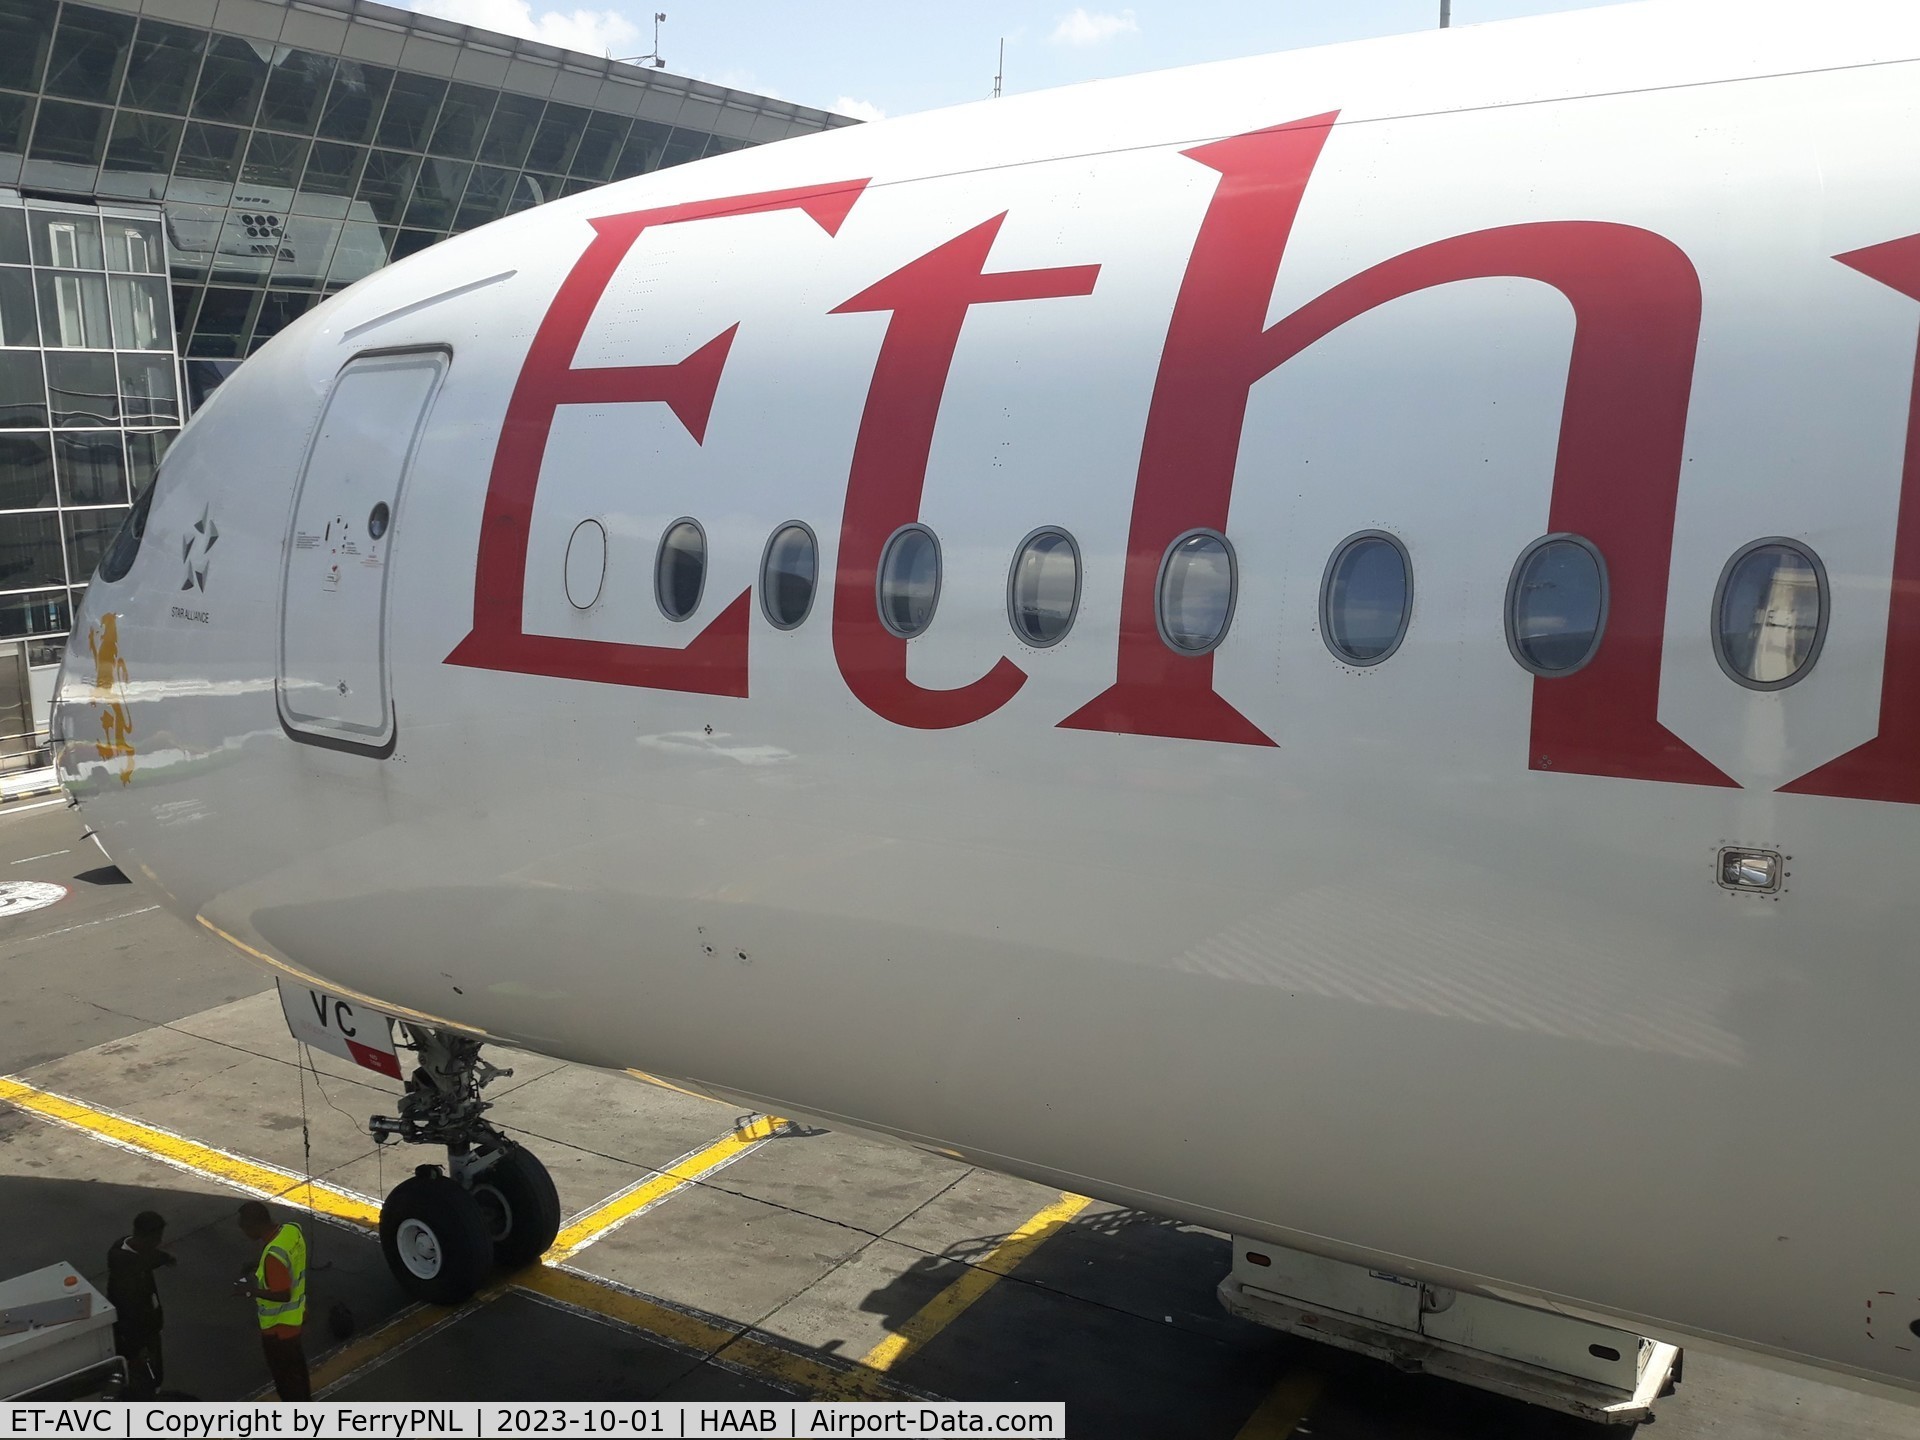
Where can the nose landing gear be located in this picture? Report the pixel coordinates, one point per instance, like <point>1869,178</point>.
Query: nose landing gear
<point>494,1204</point>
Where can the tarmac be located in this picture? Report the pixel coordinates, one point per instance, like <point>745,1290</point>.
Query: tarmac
<point>707,1255</point>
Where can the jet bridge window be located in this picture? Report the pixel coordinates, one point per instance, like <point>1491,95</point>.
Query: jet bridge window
<point>1198,582</point>
<point>1770,614</point>
<point>1043,588</point>
<point>1557,605</point>
<point>909,586</point>
<point>1366,598</point>
<point>680,570</point>
<point>789,572</point>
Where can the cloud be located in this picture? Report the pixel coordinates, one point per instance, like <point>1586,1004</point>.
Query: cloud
<point>594,32</point>
<point>1093,27</point>
<point>858,109</point>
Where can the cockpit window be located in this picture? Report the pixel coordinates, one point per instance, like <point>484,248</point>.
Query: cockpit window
<point>119,558</point>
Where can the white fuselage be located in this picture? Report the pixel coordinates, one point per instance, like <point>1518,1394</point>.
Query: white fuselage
<point>1423,963</point>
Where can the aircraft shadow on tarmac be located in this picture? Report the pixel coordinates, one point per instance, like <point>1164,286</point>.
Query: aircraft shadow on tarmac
<point>1113,1260</point>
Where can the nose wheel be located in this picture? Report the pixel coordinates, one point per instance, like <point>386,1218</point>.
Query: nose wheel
<point>434,1237</point>
<point>494,1205</point>
<point>521,1208</point>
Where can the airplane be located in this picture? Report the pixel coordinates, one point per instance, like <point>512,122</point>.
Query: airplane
<point>1326,645</point>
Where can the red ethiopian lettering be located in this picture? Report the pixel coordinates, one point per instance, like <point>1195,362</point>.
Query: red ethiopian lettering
<point>715,661</point>
<point>1636,305</point>
<point>929,299</point>
<point>1887,767</point>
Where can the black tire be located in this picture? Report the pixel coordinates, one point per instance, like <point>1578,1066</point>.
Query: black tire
<point>520,1206</point>
<point>435,1239</point>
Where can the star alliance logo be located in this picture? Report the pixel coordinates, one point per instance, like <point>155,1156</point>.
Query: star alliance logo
<point>195,546</point>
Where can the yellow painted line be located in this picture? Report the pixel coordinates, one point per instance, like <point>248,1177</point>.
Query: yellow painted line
<point>1286,1405</point>
<point>190,1155</point>
<point>789,1369</point>
<point>401,1331</point>
<point>974,1282</point>
<point>613,1212</point>
<point>669,1085</point>
<point>567,1287</point>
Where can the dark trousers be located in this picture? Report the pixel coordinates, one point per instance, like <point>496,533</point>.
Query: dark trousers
<point>287,1363</point>
<point>145,1367</point>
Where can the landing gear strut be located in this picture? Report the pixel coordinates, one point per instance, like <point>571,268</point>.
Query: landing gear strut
<point>493,1204</point>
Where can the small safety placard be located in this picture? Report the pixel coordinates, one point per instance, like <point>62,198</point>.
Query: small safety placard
<point>340,1027</point>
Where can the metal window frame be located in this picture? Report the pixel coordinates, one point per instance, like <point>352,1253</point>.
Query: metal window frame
<point>102,211</point>
<point>1557,537</point>
<point>1326,597</point>
<point>1159,592</point>
<point>1013,577</point>
<point>880,581</point>
<point>659,563</point>
<point>766,588</point>
<point>1717,635</point>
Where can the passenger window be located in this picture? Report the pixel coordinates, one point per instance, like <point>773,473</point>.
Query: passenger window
<point>1196,592</point>
<point>1557,605</point>
<point>909,581</point>
<point>1043,588</point>
<point>788,574</point>
<point>1771,614</point>
<point>680,572</point>
<point>1366,598</point>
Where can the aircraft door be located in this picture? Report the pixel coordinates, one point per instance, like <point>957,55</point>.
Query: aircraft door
<point>334,682</point>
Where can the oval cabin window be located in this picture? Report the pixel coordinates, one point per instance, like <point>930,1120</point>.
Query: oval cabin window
<point>1557,605</point>
<point>909,581</point>
<point>1196,592</point>
<point>1366,598</point>
<point>1043,590</point>
<point>1770,614</point>
<point>680,572</point>
<point>789,573</point>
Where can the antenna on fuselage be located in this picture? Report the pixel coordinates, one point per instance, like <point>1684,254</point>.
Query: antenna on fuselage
<point>1000,73</point>
<point>1446,13</point>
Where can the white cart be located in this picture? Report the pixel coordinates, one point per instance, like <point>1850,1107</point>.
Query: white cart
<point>56,1337</point>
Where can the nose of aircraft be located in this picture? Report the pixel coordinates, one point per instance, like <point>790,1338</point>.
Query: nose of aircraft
<point>91,723</point>
<point>175,624</point>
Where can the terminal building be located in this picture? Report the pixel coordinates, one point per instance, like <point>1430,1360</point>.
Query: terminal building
<point>181,179</point>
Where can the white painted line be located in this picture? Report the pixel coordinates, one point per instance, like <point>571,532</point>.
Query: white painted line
<point>88,924</point>
<point>48,856</point>
<point>6,810</point>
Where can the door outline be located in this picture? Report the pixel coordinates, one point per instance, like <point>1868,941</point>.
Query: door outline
<point>379,747</point>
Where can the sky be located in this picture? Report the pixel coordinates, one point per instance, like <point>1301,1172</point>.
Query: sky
<point>874,58</point>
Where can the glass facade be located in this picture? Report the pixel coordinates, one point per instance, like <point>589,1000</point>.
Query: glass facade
<point>89,398</point>
<point>177,187</point>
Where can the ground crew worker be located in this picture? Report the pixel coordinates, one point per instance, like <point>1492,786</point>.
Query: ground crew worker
<point>279,1292</point>
<point>135,1299</point>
